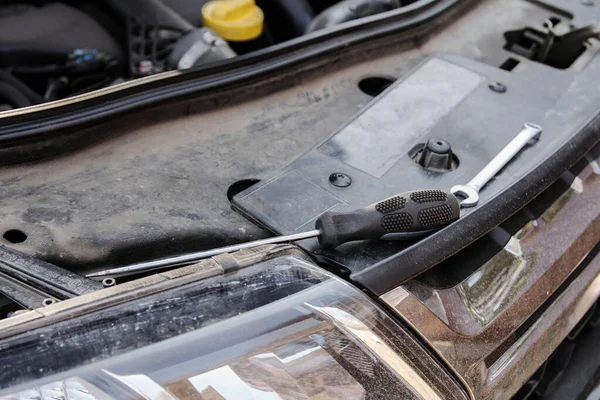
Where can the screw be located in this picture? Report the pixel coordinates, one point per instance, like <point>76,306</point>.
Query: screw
<point>588,3</point>
<point>497,87</point>
<point>340,180</point>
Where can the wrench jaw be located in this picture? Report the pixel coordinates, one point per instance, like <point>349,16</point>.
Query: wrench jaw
<point>470,192</point>
<point>467,196</point>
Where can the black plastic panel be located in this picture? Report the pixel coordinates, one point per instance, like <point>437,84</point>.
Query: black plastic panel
<point>453,103</point>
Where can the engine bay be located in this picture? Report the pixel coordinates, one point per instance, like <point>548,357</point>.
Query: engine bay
<point>50,50</point>
<point>241,133</point>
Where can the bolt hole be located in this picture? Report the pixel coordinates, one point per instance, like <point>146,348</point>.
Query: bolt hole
<point>375,85</point>
<point>48,302</point>
<point>240,186</point>
<point>108,282</point>
<point>15,236</point>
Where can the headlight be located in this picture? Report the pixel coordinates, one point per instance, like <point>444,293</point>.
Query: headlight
<point>327,341</point>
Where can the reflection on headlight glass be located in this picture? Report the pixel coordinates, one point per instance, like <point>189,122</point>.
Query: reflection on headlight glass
<point>71,389</point>
<point>324,365</point>
<point>299,370</point>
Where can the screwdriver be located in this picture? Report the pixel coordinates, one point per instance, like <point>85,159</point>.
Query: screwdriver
<point>418,211</point>
<point>410,212</point>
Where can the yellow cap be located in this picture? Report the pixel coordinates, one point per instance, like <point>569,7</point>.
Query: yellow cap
<point>234,20</point>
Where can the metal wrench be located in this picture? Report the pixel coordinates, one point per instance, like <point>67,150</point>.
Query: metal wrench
<point>470,191</point>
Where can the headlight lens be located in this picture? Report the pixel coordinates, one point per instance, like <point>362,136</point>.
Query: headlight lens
<point>329,341</point>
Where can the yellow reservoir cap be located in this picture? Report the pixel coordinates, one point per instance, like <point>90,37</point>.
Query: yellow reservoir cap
<point>234,20</point>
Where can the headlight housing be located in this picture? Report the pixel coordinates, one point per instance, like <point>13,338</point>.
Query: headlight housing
<point>318,339</point>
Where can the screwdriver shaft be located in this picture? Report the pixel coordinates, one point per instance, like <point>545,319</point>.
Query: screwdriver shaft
<point>192,257</point>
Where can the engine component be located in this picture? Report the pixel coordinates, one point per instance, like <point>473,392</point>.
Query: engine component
<point>59,41</point>
<point>15,94</point>
<point>13,83</point>
<point>191,10</point>
<point>240,22</point>
<point>10,97</point>
<point>78,62</point>
<point>234,20</point>
<point>33,36</point>
<point>153,29</point>
<point>349,10</point>
<point>199,47</point>
<point>151,12</point>
<point>556,44</point>
<point>298,13</point>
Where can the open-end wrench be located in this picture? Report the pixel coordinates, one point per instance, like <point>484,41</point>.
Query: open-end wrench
<point>470,192</point>
<point>417,212</point>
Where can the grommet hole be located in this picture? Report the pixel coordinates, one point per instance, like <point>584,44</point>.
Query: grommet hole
<point>375,85</point>
<point>15,236</point>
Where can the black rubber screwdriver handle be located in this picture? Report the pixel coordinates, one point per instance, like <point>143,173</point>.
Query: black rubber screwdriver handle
<point>416,211</point>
